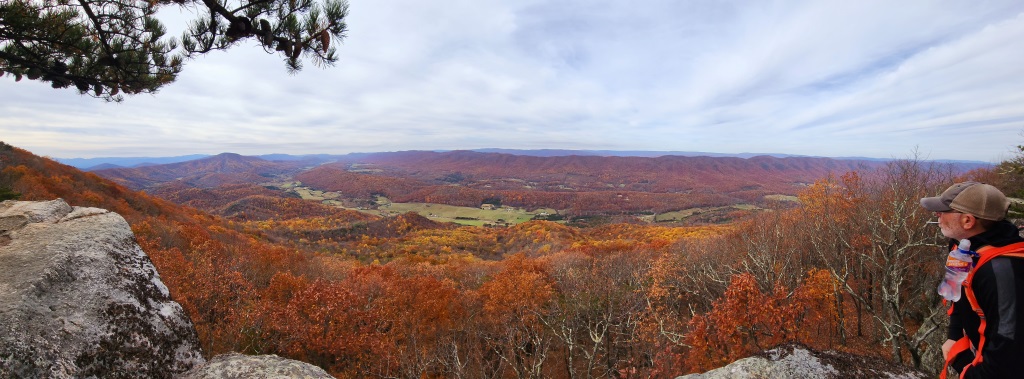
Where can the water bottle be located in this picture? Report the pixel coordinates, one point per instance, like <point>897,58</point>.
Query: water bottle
<point>958,265</point>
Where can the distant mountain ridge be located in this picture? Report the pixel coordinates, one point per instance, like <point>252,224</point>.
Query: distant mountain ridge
<point>91,164</point>
<point>665,174</point>
<point>226,168</point>
<point>474,161</point>
<point>576,183</point>
<point>625,153</point>
<point>106,162</point>
<point>101,163</point>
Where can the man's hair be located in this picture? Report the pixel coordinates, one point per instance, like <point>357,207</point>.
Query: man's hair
<point>985,224</point>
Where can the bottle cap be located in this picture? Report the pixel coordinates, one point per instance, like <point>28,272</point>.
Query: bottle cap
<point>965,245</point>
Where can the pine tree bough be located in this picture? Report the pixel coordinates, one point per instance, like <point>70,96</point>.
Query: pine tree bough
<point>106,47</point>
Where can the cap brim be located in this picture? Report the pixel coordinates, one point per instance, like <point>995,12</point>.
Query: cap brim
<point>934,204</point>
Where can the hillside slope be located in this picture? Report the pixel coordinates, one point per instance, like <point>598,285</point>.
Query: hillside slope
<point>226,168</point>
<point>658,174</point>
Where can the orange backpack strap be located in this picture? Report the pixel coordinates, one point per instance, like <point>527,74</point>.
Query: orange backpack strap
<point>986,254</point>
<point>960,346</point>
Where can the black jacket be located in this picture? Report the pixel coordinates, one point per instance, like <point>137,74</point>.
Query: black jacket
<point>999,289</point>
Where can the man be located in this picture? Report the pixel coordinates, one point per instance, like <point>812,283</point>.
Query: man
<point>986,326</point>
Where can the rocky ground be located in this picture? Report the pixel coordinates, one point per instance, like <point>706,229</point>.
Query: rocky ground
<point>79,298</point>
<point>795,361</point>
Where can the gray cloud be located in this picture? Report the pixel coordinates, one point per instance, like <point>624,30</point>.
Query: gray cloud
<point>869,78</point>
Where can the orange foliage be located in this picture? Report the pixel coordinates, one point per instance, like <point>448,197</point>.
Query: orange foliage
<point>270,275</point>
<point>745,320</point>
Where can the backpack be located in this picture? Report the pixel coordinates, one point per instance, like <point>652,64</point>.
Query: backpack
<point>986,254</point>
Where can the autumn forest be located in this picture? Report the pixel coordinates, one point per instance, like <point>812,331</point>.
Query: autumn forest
<point>832,254</point>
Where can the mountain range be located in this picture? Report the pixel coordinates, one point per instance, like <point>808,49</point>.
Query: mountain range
<point>572,184</point>
<point>99,163</point>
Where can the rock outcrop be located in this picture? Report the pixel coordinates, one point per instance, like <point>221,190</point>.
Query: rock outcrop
<point>255,367</point>
<point>798,362</point>
<point>79,298</point>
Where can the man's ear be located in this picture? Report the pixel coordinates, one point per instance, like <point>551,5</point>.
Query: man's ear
<point>968,221</point>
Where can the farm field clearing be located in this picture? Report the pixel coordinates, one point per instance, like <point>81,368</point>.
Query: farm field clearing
<point>436,212</point>
<point>498,216</point>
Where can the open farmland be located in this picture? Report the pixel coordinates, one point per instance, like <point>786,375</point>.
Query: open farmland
<point>436,212</point>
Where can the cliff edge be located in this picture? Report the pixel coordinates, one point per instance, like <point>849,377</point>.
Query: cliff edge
<point>79,298</point>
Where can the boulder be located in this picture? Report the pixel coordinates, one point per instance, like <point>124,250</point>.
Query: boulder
<point>795,361</point>
<point>79,298</point>
<point>235,365</point>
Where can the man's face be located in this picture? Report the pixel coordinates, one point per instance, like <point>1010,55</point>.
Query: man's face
<point>951,226</point>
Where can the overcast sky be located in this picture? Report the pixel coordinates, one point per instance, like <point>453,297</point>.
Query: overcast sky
<point>824,78</point>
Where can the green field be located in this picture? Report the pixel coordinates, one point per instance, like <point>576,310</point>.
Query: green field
<point>782,198</point>
<point>461,215</point>
<point>682,215</point>
<point>481,217</point>
<point>436,212</point>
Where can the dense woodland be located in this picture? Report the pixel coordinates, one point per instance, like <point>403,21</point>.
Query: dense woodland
<point>852,268</point>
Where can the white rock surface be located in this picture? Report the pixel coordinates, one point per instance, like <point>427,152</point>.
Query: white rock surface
<point>255,367</point>
<point>79,298</point>
<point>798,362</point>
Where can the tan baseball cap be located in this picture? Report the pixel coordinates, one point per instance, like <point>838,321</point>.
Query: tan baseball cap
<point>979,199</point>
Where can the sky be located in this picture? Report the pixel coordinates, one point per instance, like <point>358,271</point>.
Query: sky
<point>940,79</point>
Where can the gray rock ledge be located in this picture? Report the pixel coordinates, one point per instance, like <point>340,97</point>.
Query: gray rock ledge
<point>794,361</point>
<point>79,299</point>
<point>255,367</point>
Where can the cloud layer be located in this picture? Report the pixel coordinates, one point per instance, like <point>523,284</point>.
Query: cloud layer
<point>829,78</point>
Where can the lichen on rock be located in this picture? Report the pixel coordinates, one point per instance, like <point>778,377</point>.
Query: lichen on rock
<point>235,365</point>
<point>79,298</point>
